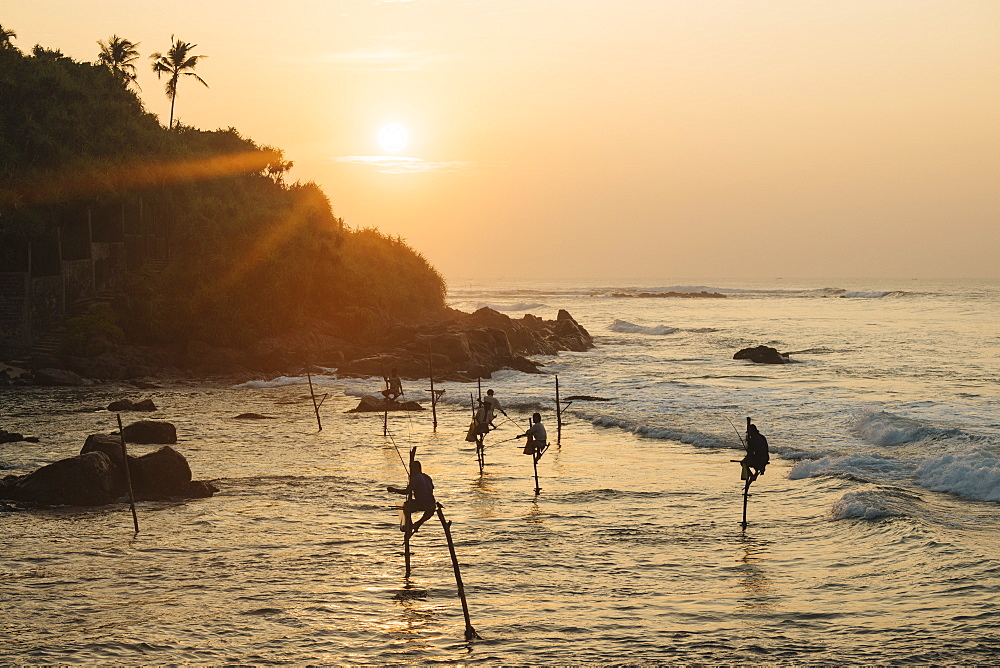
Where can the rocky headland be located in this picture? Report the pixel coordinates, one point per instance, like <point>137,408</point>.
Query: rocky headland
<point>364,342</point>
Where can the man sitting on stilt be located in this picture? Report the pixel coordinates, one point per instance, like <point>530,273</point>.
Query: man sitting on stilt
<point>422,488</point>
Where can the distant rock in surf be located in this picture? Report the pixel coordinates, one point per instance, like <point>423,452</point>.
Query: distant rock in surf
<point>252,416</point>
<point>762,355</point>
<point>129,405</point>
<point>151,431</point>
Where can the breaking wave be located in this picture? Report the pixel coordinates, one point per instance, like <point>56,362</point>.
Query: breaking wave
<point>974,474</point>
<point>881,428</point>
<point>873,504</point>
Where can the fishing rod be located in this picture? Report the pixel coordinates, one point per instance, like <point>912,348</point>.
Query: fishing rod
<point>738,434</point>
<point>398,453</point>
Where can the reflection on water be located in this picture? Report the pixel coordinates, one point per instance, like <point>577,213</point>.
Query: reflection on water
<point>753,577</point>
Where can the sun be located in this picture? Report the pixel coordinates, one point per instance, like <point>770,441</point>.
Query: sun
<point>392,137</point>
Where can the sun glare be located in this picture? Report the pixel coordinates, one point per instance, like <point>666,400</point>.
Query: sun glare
<point>392,137</point>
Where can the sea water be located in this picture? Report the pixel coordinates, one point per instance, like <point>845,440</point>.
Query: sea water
<point>872,537</point>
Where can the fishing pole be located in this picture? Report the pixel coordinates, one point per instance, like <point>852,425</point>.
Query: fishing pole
<point>738,434</point>
<point>398,454</point>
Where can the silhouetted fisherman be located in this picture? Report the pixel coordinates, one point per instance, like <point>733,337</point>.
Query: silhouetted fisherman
<point>394,386</point>
<point>422,488</point>
<point>758,456</point>
<point>536,443</point>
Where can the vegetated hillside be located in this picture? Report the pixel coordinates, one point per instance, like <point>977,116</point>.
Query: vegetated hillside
<point>249,255</point>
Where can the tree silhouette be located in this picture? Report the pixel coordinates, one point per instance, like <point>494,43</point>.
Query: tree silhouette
<point>5,37</point>
<point>175,63</point>
<point>119,55</point>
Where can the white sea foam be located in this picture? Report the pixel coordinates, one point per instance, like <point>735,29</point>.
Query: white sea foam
<point>974,474</point>
<point>630,328</point>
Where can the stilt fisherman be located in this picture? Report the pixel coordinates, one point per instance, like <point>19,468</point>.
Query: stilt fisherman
<point>420,491</point>
<point>758,456</point>
<point>536,443</point>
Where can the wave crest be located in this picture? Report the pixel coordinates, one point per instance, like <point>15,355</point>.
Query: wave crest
<point>974,474</point>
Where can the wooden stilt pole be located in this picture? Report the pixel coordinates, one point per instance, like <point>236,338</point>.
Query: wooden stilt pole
<point>558,414</point>
<point>434,412</point>
<point>128,474</point>
<point>750,476</point>
<point>409,497</point>
<point>385,415</point>
<point>312,393</point>
<point>534,458</point>
<point>470,632</point>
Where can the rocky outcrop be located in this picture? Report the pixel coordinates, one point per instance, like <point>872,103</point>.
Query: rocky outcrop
<point>150,431</point>
<point>96,477</point>
<point>358,342</point>
<point>129,405</point>
<point>59,378</point>
<point>370,404</point>
<point>467,346</point>
<point>762,355</point>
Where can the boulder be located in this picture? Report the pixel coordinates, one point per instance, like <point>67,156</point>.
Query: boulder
<point>129,405</point>
<point>10,436</point>
<point>160,474</point>
<point>85,480</point>
<point>109,444</point>
<point>150,431</point>
<point>762,355</point>
<point>252,416</point>
<point>50,377</point>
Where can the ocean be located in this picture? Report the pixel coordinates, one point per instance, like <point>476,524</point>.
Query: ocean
<point>873,536</point>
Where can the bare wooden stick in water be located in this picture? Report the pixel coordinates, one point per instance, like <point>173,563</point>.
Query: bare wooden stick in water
<point>128,475</point>
<point>470,632</point>
<point>313,395</point>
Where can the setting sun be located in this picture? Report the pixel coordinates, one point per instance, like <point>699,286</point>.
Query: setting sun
<point>392,137</point>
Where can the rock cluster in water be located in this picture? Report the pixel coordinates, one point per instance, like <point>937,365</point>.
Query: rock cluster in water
<point>96,477</point>
<point>366,342</point>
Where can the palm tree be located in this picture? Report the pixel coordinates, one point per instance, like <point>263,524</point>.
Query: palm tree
<point>119,55</point>
<point>174,64</point>
<point>5,37</point>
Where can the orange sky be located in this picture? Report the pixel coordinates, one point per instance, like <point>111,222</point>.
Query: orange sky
<point>583,138</point>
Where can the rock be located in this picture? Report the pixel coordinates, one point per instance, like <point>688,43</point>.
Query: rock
<point>150,431</point>
<point>109,444</point>
<point>129,405</point>
<point>160,474</point>
<point>762,355</point>
<point>84,480</point>
<point>370,404</point>
<point>50,377</point>
<point>252,416</point>
<point>199,489</point>
<point>10,436</point>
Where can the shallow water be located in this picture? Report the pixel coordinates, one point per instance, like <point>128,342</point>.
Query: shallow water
<point>872,539</point>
